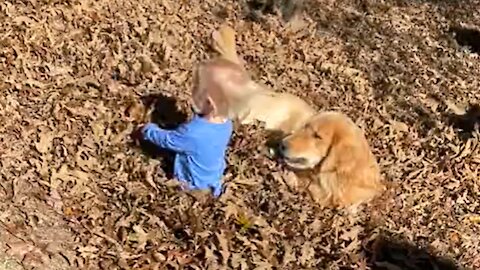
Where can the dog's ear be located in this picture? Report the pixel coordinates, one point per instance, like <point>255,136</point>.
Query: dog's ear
<point>347,153</point>
<point>355,171</point>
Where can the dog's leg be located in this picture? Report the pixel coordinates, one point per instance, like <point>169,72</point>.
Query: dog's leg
<point>353,196</point>
<point>317,192</point>
<point>225,44</point>
<point>319,196</point>
<point>245,116</point>
<point>287,126</point>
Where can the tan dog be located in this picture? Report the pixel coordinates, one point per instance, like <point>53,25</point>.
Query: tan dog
<point>225,77</point>
<point>335,163</point>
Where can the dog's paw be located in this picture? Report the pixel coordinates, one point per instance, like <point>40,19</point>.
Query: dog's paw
<point>245,119</point>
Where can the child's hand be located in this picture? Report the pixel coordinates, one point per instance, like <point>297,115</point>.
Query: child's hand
<point>137,134</point>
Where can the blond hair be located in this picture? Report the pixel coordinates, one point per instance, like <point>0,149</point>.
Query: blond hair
<point>220,81</point>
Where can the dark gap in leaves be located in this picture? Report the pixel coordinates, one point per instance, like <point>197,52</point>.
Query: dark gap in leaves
<point>116,74</point>
<point>468,38</point>
<point>180,234</point>
<point>287,8</point>
<point>165,111</point>
<point>427,119</point>
<point>466,123</point>
<point>166,115</point>
<point>221,12</point>
<point>385,253</point>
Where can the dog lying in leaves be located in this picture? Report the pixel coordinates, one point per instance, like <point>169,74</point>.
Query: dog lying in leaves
<point>333,161</point>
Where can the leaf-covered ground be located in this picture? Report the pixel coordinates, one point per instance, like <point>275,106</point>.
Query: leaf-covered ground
<point>77,194</point>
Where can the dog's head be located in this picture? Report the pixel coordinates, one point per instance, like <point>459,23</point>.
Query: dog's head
<point>327,134</point>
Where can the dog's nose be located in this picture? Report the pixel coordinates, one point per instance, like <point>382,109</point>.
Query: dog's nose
<point>282,148</point>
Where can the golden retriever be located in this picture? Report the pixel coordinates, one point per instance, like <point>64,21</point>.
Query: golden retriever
<point>225,81</point>
<point>333,161</point>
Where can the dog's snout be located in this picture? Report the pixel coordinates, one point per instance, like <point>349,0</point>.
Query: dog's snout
<point>282,148</point>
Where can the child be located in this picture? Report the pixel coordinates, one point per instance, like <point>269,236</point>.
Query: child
<point>199,145</point>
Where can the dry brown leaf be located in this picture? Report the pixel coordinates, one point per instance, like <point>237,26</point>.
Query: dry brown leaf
<point>149,177</point>
<point>55,200</point>
<point>399,126</point>
<point>291,181</point>
<point>289,255</point>
<point>85,160</point>
<point>223,246</point>
<point>44,143</point>
<point>352,233</point>
<point>88,252</point>
<point>139,236</point>
<point>209,255</point>
<point>34,83</point>
<point>238,262</point>
<point>261,264</point>
<point>455,108</point>
<point>64,174</point>
<point>307,253</point>
<point>20,249</point>
<point>474,219</point>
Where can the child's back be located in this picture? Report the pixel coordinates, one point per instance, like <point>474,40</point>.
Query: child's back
<point>200,147</point>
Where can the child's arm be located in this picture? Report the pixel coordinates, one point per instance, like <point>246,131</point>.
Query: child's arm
<point>175,140</point>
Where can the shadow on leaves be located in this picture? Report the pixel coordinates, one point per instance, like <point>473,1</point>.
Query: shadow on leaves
<point>166,114</point>
<point>468,38</point>
<point>466,123</point>
<point>385,253</point>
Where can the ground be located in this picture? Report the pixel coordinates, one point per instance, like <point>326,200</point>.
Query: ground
<point>77,194</point>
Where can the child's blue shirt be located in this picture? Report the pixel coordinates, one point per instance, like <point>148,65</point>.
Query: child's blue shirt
<point>200,148</point>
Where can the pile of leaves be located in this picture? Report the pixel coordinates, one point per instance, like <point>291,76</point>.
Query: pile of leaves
<point>76,193</point>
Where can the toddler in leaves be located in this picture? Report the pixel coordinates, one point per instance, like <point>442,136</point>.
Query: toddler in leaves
<point>200,144</point>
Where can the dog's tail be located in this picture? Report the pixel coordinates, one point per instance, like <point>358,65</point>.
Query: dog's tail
<point>225,44</point>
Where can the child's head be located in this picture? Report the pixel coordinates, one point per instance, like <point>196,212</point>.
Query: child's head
<point>216,85</point>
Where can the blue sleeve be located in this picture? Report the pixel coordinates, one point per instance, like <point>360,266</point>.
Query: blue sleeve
<point>176,140</point>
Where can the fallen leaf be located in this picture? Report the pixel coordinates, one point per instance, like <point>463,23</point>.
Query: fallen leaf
<point>44,143</point>
<point>352,233</point>
<point>223,245</point>
<point>307,253</point>
<point>139,236</point>
<point>88,252</point>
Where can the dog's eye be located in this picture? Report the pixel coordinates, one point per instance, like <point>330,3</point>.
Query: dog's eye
<point>317,136</point>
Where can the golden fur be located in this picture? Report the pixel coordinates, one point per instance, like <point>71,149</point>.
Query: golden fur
<point>333,161</point>
<point>278,111</point>
<point>226,82</point>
